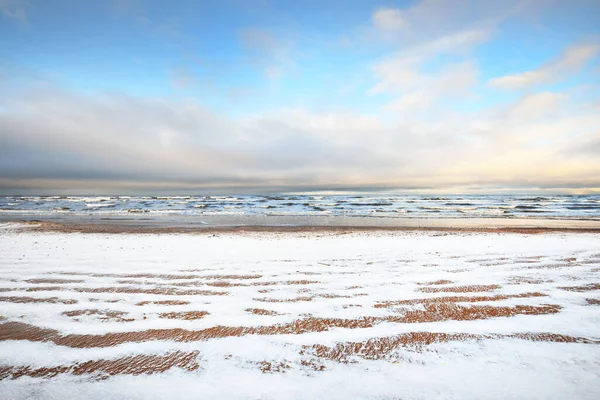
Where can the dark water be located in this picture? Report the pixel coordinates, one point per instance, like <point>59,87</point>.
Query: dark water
<point>584,207</point>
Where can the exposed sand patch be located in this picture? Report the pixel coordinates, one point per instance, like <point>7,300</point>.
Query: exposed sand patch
<point>582,288</point>
<point>102,315</point>
<point>333,296</point>
<point>103,369</point>
<point>136,282</point>
<point>164,303</point>
<point>457,299</point>
<point>438,282</point>
<point>550,337</point>
<point>551,266</point>
<point>185,315</point>
<point>224,284</point>
<point>261,311</point>
<point>293,300</point>
<point>285,283</point>
<point>432,312</point>
<point>168,291</point>
<point>53,281</point>
<point>161,291</point>
<point>517,280</point>
<point>526,261</point>
<point>312,365</point>
<point>272,367</point>
<point>374,349</point>
<point>461,289</point>
<point>45,289</point>
<point>447,311</point>
<point>111,301</point>
<point>225,277</point>
<point>19,299</point>
<point>124,276</point>
<point>383,348</point>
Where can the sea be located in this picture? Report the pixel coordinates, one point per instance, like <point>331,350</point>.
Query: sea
<point>562,207</point>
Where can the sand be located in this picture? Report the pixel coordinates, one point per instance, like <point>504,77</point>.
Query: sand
<point>330,313</point>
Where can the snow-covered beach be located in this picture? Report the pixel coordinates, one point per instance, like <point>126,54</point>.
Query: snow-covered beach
<point>320,314</point>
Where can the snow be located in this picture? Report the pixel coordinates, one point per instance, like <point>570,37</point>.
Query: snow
<point>362,268</point>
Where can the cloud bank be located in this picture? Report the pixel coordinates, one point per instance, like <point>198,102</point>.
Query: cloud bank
<point>54,138</point>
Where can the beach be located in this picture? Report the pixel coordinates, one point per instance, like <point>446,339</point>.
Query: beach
<point>279,200</point>
<point>121,311</point>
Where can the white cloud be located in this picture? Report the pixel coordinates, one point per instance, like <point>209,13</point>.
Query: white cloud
<point>409,75</point>
<point>426,20</point>
<point>388,19</point>
<point>50,135</point>
<point>404,69</point>
<point>536,105</point>
<point>417,97</point>
<point>564,66</point>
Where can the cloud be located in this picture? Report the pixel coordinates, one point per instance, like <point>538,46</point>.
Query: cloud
<point>425,20</point>
<point>408,74</point>
<point>14,9</point>
<point>418,135</point>
<point>267,52</point>
<point>453,80</point>
<point>568,63</point>
<point>51,137</point>
<point>388,19</point>
<point>434,41</point>
<point>400,73</point>
<point>588,146</point>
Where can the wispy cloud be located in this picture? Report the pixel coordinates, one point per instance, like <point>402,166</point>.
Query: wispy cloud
<point>388,19</point>
<point>182,78</point>
<point>268,52</point>
<point>565,65</point>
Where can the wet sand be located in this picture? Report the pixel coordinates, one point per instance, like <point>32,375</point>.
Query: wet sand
<point>248,223</point>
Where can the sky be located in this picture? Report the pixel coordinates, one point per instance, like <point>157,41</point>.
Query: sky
<point>251,96</point>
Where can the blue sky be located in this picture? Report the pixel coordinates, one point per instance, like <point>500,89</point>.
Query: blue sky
<point>454,95</point>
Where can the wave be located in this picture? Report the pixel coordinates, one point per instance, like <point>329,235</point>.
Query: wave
<point>567,207</point>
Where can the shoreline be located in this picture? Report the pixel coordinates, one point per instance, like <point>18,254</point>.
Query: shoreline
<point>297,225</point>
